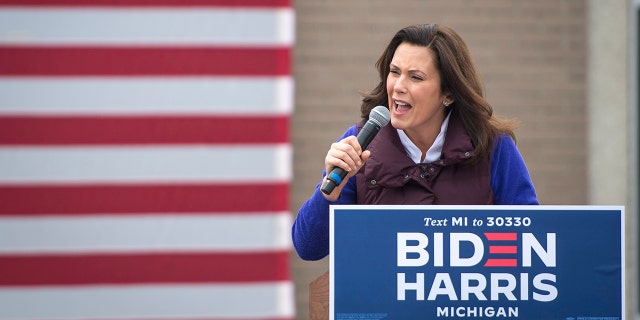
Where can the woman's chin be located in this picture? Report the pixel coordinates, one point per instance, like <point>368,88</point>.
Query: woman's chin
<point>397,124</point>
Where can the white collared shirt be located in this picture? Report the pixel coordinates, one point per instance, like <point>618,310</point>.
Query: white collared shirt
<point>434,152</point>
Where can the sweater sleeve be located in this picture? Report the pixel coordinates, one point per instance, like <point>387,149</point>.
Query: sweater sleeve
<point>510,178</point>
<point>310,231</point>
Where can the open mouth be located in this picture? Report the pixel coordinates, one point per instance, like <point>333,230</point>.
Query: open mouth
<point>401,107</point>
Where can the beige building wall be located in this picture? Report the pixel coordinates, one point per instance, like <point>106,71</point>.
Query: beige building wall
<point>532,56</point>
<point>612,121</point>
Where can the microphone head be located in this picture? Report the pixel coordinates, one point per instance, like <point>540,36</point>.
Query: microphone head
<point>380,115</point>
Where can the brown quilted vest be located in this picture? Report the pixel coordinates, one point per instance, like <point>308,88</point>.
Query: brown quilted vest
<point>391,177</point>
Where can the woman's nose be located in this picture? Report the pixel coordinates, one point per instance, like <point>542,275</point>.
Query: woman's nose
<point>399,86</point>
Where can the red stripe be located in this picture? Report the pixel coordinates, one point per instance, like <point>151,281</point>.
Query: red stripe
<point>501,263</point>
<point>185,318</point>
<point>501,236</point>
<point>123,199</point>
<point>503,249</point>
<point>144,268</point>
<point>25,130</point>
<point>150,3</point>
<point>143,61</point>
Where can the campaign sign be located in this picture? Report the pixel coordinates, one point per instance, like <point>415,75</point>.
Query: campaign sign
<point>476,262</point>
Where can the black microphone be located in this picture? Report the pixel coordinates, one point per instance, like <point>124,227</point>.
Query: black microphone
<point>378,118</point>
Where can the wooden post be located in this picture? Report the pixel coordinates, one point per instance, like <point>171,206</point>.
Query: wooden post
<point>319,298</point>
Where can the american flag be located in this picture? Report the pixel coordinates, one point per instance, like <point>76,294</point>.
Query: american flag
<point>145,159</point>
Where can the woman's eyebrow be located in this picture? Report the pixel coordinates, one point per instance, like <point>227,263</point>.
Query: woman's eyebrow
<point>410,70</point>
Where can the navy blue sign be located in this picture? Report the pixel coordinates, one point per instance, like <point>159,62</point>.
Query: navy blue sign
<point>477,262</point>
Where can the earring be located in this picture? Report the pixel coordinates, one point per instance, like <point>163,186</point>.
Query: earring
<point>446,103</point>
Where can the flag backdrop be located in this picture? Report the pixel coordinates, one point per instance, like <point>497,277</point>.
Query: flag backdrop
<point>145,159</point>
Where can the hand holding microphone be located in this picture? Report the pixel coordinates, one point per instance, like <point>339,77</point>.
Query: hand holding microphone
<point>347,156</point>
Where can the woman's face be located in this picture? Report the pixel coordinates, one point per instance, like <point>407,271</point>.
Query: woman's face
<point>413,87</point>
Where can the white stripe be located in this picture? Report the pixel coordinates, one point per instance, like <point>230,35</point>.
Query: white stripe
<point>149,233</point>
<point>148,164</point>
<point>145,26</point>
<point>147,95</point>
<point>262,300</point>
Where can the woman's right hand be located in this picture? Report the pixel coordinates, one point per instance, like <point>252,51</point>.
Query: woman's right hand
<point>348,155</point>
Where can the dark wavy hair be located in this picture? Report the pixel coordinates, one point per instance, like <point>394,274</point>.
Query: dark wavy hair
<point>459,77</point>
